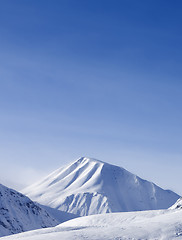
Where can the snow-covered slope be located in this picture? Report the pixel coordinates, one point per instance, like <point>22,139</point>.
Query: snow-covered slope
<point>143,225</point>
<point>18,213</point>
<point>88,186</point>
<point>177,205</point>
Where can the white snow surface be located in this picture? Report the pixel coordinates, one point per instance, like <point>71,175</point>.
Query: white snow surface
<point>177,205</point>
<point>89,186</point>
<point>144,225</point>
<point>18,213</point>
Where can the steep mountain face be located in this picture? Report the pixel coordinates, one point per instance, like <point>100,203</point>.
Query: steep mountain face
<point>88,186</point>
<point>18,213</point>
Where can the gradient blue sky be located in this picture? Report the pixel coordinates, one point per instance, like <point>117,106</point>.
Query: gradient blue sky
<point>91,78</point>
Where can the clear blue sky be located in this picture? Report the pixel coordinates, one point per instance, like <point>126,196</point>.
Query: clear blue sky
<point>93,78</point>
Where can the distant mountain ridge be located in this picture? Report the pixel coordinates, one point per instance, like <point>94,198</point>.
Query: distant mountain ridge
<point>89,186</point>
<point>18,213</point>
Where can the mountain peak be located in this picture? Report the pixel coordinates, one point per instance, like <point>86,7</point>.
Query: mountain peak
<point>88,160</point>
<point>90,186</point>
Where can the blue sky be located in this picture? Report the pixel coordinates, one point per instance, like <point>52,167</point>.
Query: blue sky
<point>90,78</point>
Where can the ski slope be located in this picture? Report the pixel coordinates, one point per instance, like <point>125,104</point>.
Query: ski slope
<point>89,186</point>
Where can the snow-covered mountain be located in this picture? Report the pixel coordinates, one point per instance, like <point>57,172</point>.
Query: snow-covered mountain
<point>148,225</point>
<point>18,213</point>
<point>88,186</point>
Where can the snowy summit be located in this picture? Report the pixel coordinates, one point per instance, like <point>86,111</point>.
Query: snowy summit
<point>89,186</point>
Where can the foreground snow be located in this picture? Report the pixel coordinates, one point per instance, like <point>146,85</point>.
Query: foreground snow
<point>145,225</point>
<point>89,186</point>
